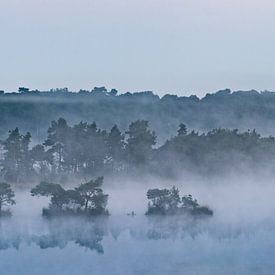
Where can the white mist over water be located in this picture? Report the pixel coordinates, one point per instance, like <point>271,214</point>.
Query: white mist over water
<point>238,239</point>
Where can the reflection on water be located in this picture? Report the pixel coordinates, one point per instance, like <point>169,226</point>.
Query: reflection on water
<point>58,233</point>
<point>136,245</point>
<point>85,234</point>
<point>90,233</point>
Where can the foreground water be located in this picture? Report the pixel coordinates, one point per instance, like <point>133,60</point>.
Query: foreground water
<point>238,239</point>
<point>135,245</point>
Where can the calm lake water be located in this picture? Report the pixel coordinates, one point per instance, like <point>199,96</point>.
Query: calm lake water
<point>135,245</point>
<point>238,239</point>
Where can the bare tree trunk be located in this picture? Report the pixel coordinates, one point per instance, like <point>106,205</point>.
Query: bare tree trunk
<point>86,205</point>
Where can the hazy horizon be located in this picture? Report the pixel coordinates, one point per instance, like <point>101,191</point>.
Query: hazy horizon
<point>137,184</point>
<point>183,47</point>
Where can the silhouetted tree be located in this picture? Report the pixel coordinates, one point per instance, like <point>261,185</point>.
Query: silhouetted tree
<point>157,201</point>
<point>12,156</point>
<point>6,197</point>
<point>87,199</point>
<point>99,91</point>
<point>52,190</point>
<point>16,163</point>
<point>163,201</point>
<point>84,150</point>
<point>57,136</point>
<point>113,92</point>
<point>168,202</point>
<point>140,142</point>
<point>26,164</point>
<point>23,90</point>
<point>174,199</point>
<point>95,201</point>
<point>40,160</point>
<point>188,202</point>
<point>182,131</point>
<point>115,145</point>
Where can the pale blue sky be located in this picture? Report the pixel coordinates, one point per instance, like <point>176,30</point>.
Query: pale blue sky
<point>179,46</point>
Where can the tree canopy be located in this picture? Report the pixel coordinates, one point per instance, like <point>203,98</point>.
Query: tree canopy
<point>6,197</point>
<point>168,202</point>
<point>84,150</point>
<point>34,110</point>
<point>86,199</point>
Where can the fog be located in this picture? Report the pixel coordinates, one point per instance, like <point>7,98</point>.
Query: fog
<point>238,239</point>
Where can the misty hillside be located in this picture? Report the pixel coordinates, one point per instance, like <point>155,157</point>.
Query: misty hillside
<point>34,110</point>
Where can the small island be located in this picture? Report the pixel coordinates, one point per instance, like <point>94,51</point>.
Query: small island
<point>88,199</point>
<point>168,202</point>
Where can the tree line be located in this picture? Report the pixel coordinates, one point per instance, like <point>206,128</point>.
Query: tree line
<point>88,199</point>
<point>84,150</point>
<point>33,110</point>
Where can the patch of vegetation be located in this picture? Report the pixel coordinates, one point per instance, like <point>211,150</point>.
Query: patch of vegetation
<point>6,199</point>
<point>84,150</point>
<point>88,199</point>
<point>168,202</point>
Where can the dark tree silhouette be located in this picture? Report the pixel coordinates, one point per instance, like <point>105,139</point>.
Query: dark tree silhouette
<point>168,202</point>
<point>140,142</point>
<point>87,199</point>
<point>52,190</point>
<point>158,199</point>
<point>95,201</point>
<point>57,135</point>
<point>6,198</point>
<point>84,150</point>
<point>116,147</point>
<point>182,131</point>
<point>16,165</point>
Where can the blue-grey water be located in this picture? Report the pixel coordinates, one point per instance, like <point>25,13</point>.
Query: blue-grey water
<point>136,245</point>
<point>238,239</point>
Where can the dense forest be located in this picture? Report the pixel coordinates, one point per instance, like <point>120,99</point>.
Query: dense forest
<point>83,151</point>
<point>33,110</point>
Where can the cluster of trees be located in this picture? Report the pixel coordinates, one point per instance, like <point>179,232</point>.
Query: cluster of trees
<point>81,150</point>
<point>33,110</point>
<point>89,199</point>
<point>6,198</point>
<point>86,199</point>
<point>84,150</point>
<point>16,164</point>
<point>169,202</point>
